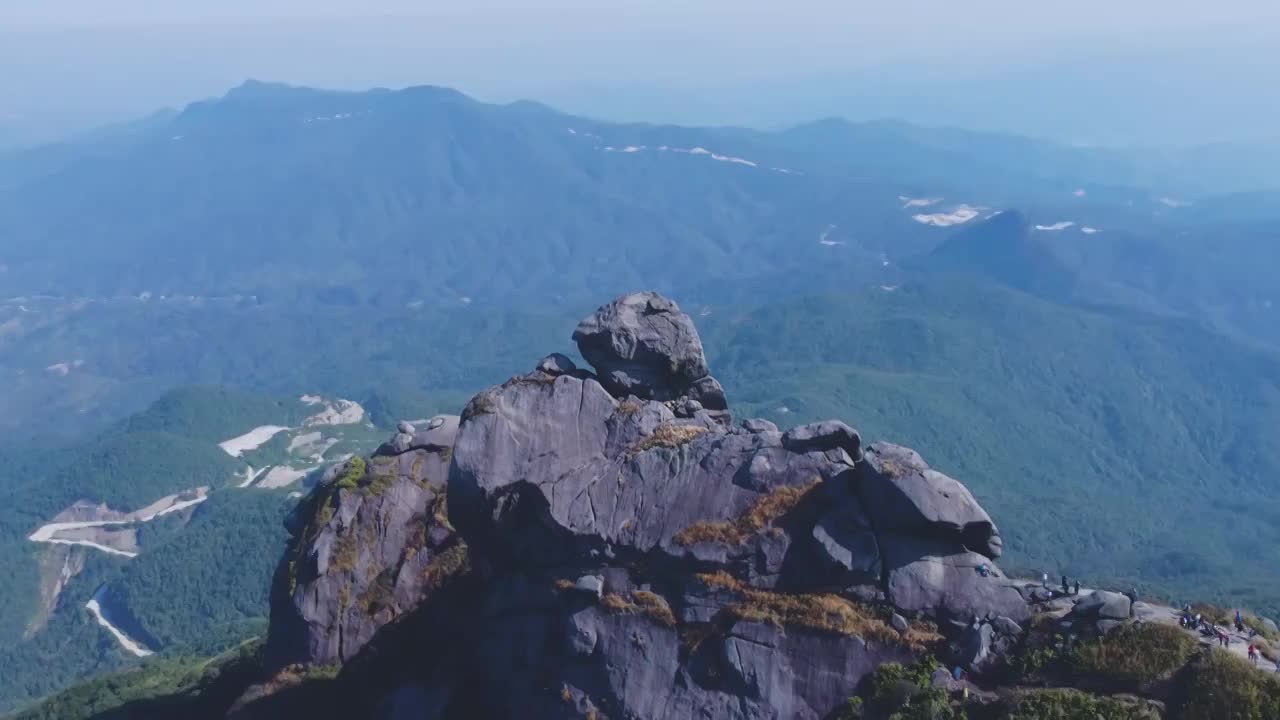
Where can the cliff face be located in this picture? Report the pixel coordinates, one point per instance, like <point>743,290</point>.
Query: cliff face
<point>631,553</point>
<point>367,546</point>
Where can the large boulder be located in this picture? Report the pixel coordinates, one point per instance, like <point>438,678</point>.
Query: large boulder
<point>902,493</point>
<point>642,344</point>
<point>433,435</point>
<point>1103,604</point>
<point>940,577</point>
<point>824,436</point>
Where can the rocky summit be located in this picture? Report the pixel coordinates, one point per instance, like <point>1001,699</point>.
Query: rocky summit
<point>612,546</point>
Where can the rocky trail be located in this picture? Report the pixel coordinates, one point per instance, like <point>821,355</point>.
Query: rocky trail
<point>1061,606</point>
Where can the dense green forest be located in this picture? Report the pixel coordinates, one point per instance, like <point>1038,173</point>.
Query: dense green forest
<point>125,471</point>
<point>200,582</point>
<point>71,647</point>
<point>1107,445</point>
<point>212,414</point>
<point>200,589</point>
<point>417,245</point>
<point>173,677</point>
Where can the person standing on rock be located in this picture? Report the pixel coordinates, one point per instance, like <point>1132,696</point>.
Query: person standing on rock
<point>1044,580</point>
<point>1253,655</point>
<point>1066,589</point>
<point>1077,589</point>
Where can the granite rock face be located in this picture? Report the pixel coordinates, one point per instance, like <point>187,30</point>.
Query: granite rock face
<point>367,546</point>
<point>635,555</point>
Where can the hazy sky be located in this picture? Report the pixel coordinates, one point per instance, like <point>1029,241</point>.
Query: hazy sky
<point>76,60</point>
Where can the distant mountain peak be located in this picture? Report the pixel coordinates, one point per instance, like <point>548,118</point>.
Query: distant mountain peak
<point>252,89</point>
<point>1003,248</point>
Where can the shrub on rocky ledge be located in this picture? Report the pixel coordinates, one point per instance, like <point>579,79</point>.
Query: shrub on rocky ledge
<point>1222,686</point>
<point>906,692</point>
<point>666,436</point>
<point>1139,653</point>
<point>649,604</point>
<point>825,612</point>
<point>1064,704</point>
<point>351,474</point>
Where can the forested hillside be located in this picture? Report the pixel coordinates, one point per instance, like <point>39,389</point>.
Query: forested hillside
<point>1111,444</point>
<point>180,532</point>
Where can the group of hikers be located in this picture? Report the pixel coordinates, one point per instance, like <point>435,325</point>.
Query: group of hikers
<point>1197,622</point>
<point>1188,619</point>
<point>1067,589</point>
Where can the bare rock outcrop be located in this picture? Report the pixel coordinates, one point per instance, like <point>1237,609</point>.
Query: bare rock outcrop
<point>771,548</point>
<point>632,554</point>
<point>368,545</point>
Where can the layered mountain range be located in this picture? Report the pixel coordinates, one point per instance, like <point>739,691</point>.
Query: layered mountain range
<point>238,216</point>
<point>1030,317</point>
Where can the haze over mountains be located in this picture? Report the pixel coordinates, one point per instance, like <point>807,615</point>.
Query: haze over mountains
<point>1053,324</point>
<point>1088,73</point>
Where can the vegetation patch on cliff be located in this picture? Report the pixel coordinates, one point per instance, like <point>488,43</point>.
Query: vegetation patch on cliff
<point>649,604</point>
<point>1221,685</point>
<point>825,612</point>
<point>351,474</point>
<point>1139,653</point>
<point>762,512</point>
<point>665,436</point>
<point>447,564</point>
<point>903,692</point>
<point>1067,704</point>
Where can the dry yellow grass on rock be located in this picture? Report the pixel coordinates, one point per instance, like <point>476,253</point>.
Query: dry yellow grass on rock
<point>643,602</point>
<point>666,436</point>
<point>826,612</point>
<point>764,511</point>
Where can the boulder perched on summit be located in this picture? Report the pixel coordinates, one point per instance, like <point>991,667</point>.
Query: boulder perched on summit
<point>642,344</point>
<point>904,494</point>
